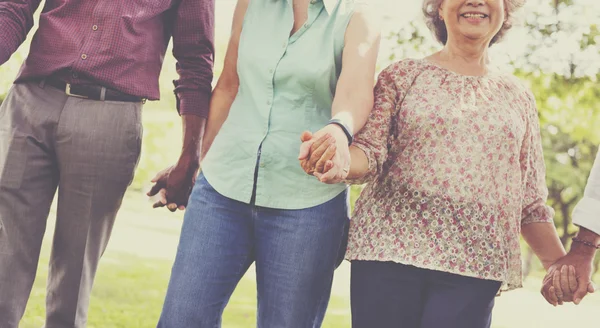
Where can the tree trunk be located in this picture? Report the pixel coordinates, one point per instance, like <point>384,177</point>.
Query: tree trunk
<point>527,262</point>
<point>564,208</point>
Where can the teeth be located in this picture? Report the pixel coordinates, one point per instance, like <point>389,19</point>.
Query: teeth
<point>474,15</point>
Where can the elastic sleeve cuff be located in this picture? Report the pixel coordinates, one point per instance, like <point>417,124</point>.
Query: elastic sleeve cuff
<point>372,166</point>
<point>538,214</point>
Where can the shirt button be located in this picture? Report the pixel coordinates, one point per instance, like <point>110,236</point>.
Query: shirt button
<point>95,27</point>
<point>262,164</point>
<point>285,45</point>
<point>271,71</point>
<point>84,56</point>
<point>268,102</point>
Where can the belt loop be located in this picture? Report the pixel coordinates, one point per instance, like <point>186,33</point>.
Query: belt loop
<point>102,94</point>
<point>42,84</point>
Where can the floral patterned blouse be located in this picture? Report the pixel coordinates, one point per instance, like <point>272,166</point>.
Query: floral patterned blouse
<point>455,169</point>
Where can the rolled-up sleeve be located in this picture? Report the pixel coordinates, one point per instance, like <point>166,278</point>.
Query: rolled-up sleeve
<point>193,48</point>
<point>587,212</point>
<point>16,20</point>
<point>533,171</point>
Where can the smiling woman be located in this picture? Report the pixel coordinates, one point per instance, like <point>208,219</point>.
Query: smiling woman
<point>454,170</point>
<point>436,23</point>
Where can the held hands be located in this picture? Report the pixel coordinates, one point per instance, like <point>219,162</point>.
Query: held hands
<point>568,280</point>
<point>325,154</point>
<point>174,184</point>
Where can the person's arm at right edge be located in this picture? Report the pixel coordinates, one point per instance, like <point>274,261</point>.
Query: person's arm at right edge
<point>587,212</point>
<point>16,20</point>
<point>581,255</point>
<point>226,89</point>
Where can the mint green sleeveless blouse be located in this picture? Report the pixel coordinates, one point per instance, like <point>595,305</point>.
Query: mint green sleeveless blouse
<point>287,85</point>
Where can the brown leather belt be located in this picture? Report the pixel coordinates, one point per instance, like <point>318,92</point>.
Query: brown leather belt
<point>92,92</point>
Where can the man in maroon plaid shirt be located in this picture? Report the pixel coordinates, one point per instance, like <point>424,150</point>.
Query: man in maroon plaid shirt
<point>72,122</point>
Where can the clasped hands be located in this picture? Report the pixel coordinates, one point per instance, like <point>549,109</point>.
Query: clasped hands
<point>325,154</point>
<point>569,279</point>
<point>174,184</point>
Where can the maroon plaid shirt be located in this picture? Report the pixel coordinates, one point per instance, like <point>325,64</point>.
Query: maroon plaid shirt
<point>119,44</point>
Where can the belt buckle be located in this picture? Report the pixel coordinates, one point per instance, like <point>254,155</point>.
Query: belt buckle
<point>68,92</point>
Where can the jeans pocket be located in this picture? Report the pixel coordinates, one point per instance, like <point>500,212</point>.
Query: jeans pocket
<point>13,159</point>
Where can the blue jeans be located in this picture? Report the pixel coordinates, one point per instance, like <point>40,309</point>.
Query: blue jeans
<point>296,252</point>
<point>394,295</point>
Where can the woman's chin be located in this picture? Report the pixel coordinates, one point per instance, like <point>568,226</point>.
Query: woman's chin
<point>476,36</point>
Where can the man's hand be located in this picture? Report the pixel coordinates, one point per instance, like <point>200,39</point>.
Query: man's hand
<point>326,154</point>
<point>570,278</point>
<point>174,185</point>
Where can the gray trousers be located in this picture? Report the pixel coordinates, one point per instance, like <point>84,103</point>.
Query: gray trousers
<point>88,150</point>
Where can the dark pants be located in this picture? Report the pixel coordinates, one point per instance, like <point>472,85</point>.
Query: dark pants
<point>387,294</point>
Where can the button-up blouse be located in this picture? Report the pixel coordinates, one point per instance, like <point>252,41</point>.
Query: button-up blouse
<point>287,86</point>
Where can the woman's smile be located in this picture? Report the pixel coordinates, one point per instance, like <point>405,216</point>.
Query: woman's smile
<point>474,17</point>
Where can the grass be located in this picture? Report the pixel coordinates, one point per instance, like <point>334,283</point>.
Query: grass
<point>132,278</point>
<point>129,293</point>
<point>134,272</point>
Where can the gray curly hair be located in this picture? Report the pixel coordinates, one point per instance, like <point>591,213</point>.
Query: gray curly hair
<point>438,27</point>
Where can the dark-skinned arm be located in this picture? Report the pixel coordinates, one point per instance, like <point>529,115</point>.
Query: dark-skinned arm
<point>193,48</point>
